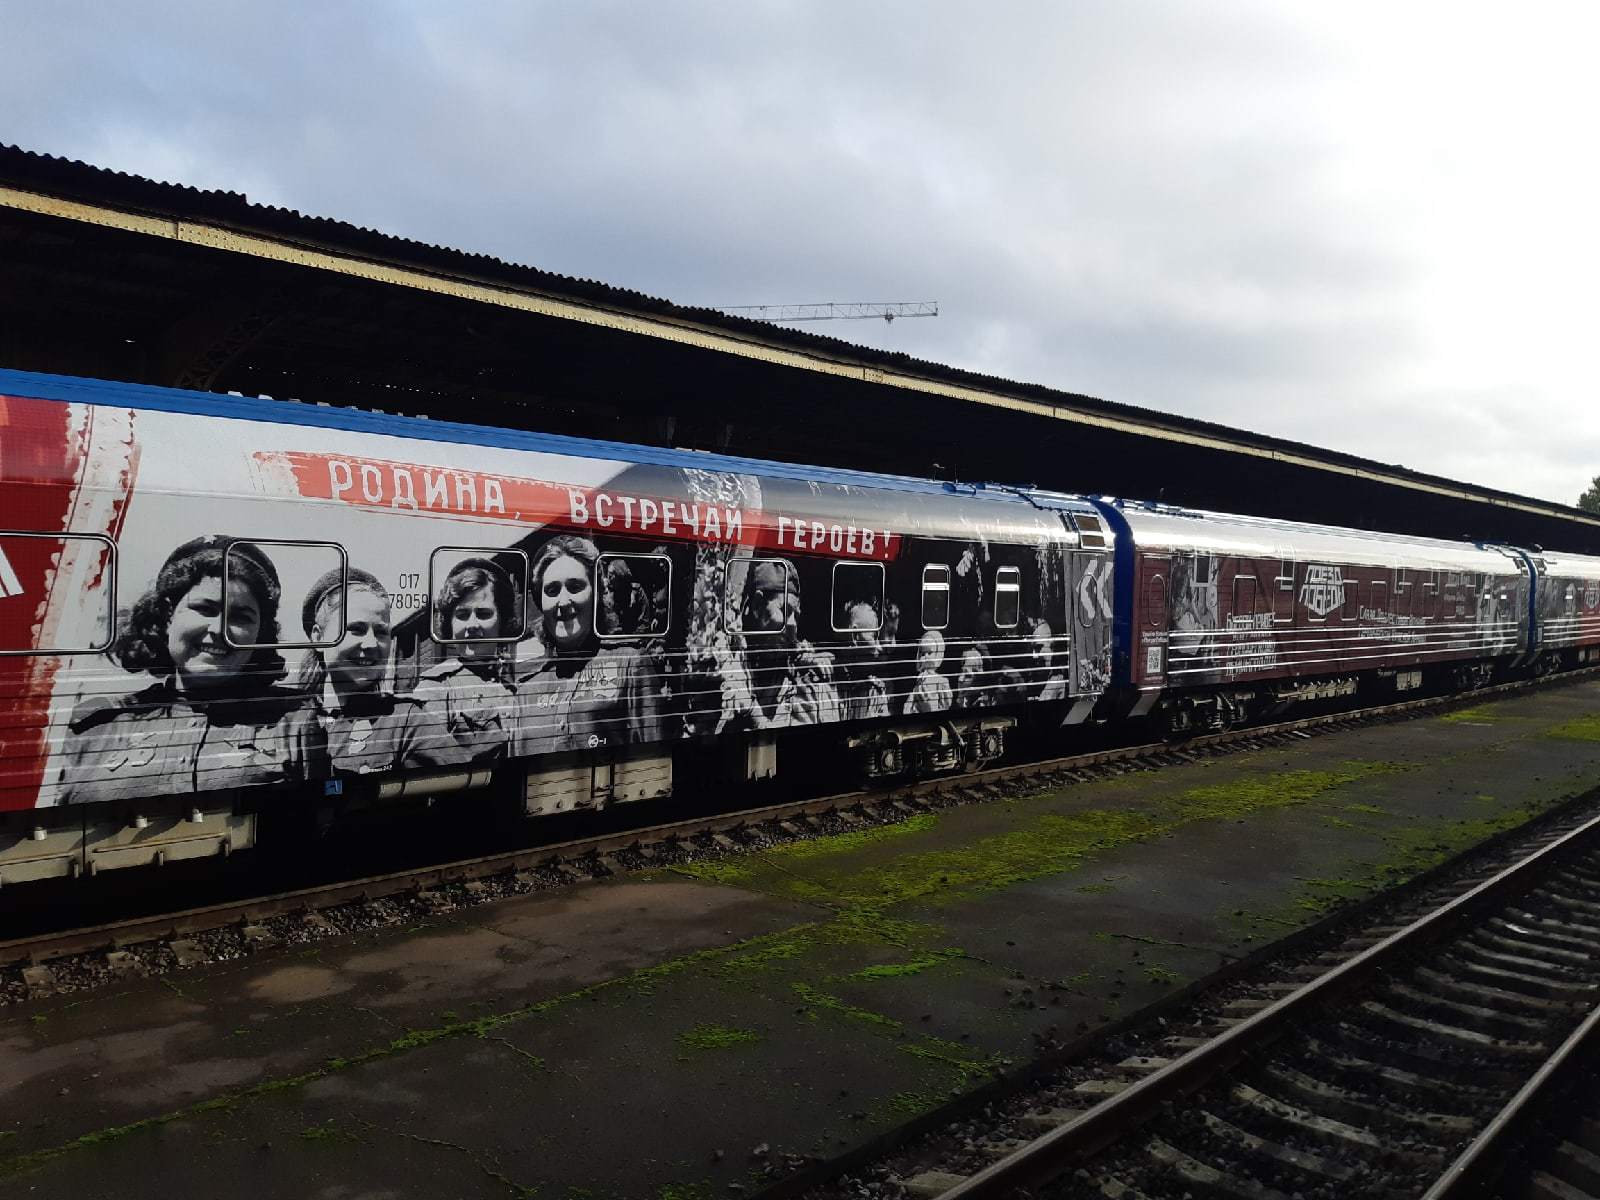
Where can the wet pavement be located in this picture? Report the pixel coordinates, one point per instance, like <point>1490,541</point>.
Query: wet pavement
<point>669,1035</point>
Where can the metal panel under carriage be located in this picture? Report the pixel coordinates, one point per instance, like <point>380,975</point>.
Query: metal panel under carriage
<point>586,779</point>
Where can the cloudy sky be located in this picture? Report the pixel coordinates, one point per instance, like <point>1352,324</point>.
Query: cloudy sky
<point>1370,226</point>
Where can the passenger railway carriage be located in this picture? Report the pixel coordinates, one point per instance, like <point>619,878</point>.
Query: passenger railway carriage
<point>215,612</point>
<point>1225,618</point>
<point>214,608</point>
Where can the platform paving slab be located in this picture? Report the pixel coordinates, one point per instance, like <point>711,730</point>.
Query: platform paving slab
<point>647,1036</point>
<point>74,1065</point>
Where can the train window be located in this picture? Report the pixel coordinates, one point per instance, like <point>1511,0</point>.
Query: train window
<point>635,595</point>
<point>1284,595</point>
<point>37,566</point>
<point>935,596</point>
<point>1285,576</point>
<point>857,596</point>
<point>478,594</point>
<point>1352,601</point>
<point>1091,533</point>
<point>763,595</point>
<point>1431,583</point>
<point>1380,595</point>
<point>1007,598</point>
<point>1244,595</point>
<point>304,564</point>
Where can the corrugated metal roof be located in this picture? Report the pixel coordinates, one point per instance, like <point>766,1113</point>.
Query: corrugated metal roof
<point>74,180</point>
<point>144,396</point>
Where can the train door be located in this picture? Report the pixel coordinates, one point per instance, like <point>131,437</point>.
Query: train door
<point>1090,612</point>
<point>1378,599</point>
<point>1151,616</point>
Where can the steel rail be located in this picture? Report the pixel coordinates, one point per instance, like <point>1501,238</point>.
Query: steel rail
<point>40,948</point>
<point>1048,1156</point>
<point>1474,1167</point>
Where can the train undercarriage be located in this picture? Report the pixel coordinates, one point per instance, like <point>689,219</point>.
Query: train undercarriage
<point>89,840</point>
<point>1213,710</point>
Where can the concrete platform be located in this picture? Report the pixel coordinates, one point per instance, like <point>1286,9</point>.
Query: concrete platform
<point>668,1035</point>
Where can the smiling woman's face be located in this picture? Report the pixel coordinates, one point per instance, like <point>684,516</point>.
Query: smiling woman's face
<point>358,662</point>
<point>195,642</point>
<point>566,597</point>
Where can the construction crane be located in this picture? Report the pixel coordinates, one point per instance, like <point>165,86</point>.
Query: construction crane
<point>833,311</point>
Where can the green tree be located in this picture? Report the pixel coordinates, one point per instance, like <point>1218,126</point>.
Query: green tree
<point>1590,500</point>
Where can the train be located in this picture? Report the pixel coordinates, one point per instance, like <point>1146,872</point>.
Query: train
<point>217,611</point>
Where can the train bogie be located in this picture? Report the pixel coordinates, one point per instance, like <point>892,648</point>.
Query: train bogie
<point>960,742</point>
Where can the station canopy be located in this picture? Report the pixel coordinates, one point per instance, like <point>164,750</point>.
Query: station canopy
<point>113,276</point>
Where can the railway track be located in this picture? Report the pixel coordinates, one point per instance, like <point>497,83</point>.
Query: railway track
<point>1402,1060</point>
<point>76,958</point>
<point>1545,1143</point>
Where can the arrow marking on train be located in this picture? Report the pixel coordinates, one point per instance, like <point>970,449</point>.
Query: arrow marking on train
<point>1097,579</point>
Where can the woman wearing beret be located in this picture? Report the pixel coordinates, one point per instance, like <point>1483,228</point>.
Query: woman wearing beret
<point>210,718</point>
<point>352,725</point>
<point>585,693</point>
<point>476,608</point>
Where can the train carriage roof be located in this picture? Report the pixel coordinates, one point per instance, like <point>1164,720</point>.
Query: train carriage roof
<point>1021,507</point>
<point>1160,527</point>
<point>293,412</point>
<point>1571,566</point>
